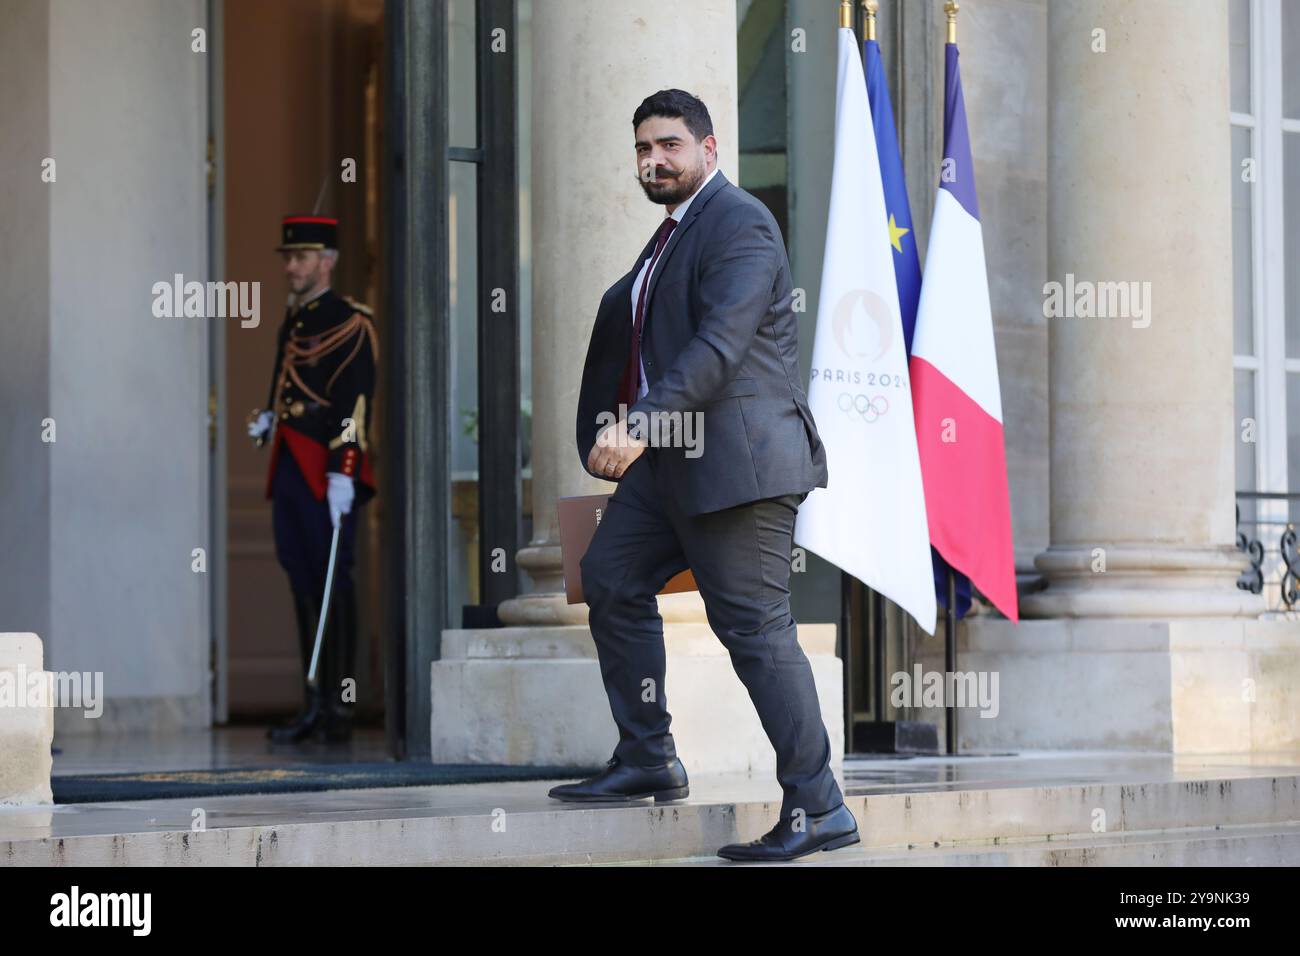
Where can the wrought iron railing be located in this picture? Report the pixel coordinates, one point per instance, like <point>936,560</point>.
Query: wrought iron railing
<point>1268,535</point>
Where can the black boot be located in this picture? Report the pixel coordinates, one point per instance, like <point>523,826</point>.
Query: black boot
<point>340,652</point>
<point>313,710</point>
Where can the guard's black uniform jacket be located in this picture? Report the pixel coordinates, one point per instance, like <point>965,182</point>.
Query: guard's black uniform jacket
<point>322,392</point>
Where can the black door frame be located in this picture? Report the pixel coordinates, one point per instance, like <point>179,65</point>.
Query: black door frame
<point>417,284</point>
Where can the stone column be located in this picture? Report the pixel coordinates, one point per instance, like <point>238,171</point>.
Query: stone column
<point>1141,403</point>
<point>101,518</point>
<point>592,65</point>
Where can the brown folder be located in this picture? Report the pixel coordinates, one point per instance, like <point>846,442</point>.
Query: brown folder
<point>579,516</point>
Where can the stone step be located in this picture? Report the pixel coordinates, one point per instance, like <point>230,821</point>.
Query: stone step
<point>1218,846</point>
<point>515,823</point>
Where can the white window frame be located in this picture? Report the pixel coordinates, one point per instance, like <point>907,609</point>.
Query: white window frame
<point>1269,361</point>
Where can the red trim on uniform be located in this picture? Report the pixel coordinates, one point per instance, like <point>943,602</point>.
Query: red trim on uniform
<point>312,458</point>
<point>309,455</point>
<point>317,219</point>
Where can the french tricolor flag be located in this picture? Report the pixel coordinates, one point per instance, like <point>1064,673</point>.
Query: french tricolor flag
<point>956,399</point>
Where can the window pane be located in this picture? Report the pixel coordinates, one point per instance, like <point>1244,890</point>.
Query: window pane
<point>462,90</point>
<point>462,390</point>
<point>1239,46</point>
<point>761,52</point>
<point>1291,240</point>
<point>1247,431</point>
<point>1291,59</point>
<point>1243,313</point>
<point>1247,427</point>
<point>1292,438</point>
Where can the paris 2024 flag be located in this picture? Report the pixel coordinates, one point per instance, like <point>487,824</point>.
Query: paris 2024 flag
<point>955,391</point>
<point>869,520</point>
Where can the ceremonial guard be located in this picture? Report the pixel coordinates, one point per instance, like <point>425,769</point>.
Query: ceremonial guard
<point>316,419</point>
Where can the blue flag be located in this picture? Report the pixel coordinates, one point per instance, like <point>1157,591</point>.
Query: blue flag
<point>907,263</point>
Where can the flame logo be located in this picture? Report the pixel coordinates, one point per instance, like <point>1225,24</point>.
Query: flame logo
<point>863,325</point>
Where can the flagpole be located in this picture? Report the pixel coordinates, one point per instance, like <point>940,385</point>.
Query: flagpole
<point>950,662</point>
<point>869,8</point>
<point>846,580</point>
<point>950,8</point>
<point>878,605</point>
<point>846,661</point>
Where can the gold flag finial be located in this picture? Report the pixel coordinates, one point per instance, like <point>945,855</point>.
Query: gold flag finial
<point>871,6</point>
<point>950,10</point>
<point>846,14</point>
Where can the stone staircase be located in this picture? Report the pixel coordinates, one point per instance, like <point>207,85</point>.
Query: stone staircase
<point>1242,821</point>
<point>1099,810</point>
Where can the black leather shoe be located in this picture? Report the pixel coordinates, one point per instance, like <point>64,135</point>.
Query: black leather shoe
<point>623,782</point>
<point>336,728</point>
<point>822,831</point>
<point>306,724</point>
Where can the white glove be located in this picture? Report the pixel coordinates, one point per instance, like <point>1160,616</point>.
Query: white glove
<point>260,427</point>
<point>340,494</point>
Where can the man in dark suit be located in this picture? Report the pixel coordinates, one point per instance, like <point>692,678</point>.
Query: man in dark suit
<point>691,401</point>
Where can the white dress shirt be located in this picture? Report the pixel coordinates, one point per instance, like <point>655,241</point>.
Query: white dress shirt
<point>643,276</point>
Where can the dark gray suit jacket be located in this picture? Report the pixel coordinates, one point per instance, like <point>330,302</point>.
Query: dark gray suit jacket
<point>719,337</point>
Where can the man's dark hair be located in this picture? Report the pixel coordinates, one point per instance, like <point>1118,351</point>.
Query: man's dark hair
<point>675,104</point>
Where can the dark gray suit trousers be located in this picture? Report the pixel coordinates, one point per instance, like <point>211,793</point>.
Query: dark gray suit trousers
<point>740,557</point>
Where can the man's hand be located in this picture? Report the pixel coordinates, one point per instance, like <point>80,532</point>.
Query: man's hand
<point>614,451</point>
<point>340,494</point>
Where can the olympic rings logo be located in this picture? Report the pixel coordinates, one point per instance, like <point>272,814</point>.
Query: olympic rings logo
<point>868,408</point>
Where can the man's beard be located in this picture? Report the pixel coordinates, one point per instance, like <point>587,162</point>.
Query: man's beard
<point>306,284</point>
<point>683,185</point>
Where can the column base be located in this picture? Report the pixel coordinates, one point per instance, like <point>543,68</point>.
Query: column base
<point>1225,686</point>
<point>1152,582</point>
<point>26,730</point>
<point>533,696</point>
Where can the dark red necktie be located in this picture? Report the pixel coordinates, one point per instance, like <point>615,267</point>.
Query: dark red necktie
<point>630,385</point>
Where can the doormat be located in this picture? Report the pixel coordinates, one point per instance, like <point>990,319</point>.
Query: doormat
<point>308,777</point>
